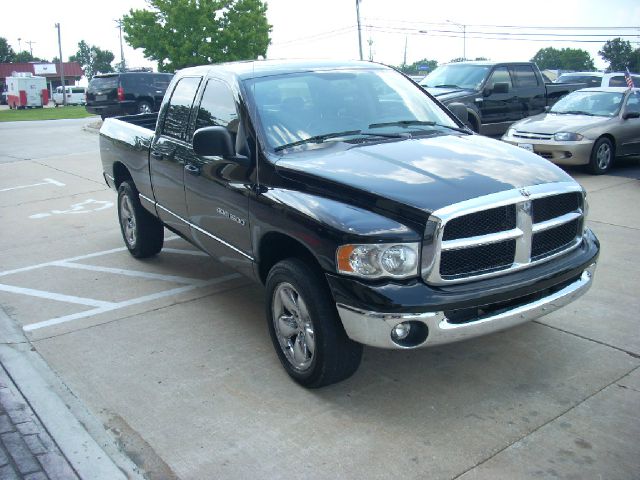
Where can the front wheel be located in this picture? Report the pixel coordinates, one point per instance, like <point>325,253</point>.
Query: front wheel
<point>143,233</point>
<point>602,156</point>
<point>305,328</point>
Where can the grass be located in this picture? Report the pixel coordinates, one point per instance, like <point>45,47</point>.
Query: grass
<point>76,111</point>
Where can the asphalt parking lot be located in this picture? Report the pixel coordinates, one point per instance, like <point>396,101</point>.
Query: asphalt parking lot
<point>172,354</point>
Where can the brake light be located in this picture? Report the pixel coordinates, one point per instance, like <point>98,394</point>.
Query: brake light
<point>120,94</point>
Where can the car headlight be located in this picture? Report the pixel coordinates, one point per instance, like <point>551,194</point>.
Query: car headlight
<point>567,137</point>
<point>377,260</point>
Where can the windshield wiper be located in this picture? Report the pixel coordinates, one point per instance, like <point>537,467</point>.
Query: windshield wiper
<point>408,123</point>
<point>447,85</point>
<point>327,136</point>
<point>573,112</point>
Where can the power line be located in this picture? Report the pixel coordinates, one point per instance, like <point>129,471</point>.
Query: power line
<point>318,36</point>
<point>546,27</point>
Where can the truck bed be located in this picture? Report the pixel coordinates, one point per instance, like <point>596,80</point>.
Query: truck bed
<point>144,120</point>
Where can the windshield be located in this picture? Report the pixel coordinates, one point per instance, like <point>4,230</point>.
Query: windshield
<point>461,76</point>
<point>315,106</point>
<point>605,104</point>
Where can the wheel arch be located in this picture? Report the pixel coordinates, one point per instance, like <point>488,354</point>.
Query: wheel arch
<point>121,173</point>
<point>277,246</point>
<point>612,139</point>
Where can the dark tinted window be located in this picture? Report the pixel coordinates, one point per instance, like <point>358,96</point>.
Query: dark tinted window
<point>633,103</point>
<point>161,82</point>
<point>217,107</point>
<point>525,76</point>
<point>103,83</point>
<point>175,122</point>
<point>499,75</point>
<point>617,81</point>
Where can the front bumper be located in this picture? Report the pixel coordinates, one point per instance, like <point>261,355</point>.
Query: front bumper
<point>448,314</point>
<point>374,329</point>
<point>560,153</point>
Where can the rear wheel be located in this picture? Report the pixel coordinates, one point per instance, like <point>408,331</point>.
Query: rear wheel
<point>143,233</point>
<point>144,107</point>
<point>602,156</point>
<point>305,328</point>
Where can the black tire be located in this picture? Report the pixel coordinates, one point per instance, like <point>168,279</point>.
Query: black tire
<point>143,233</point>
<point>144,107</point>
<point>329,355</point>
<point>602,156</point>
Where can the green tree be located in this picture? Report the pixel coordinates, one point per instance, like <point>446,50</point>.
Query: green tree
<point>92,59</point>
<point>6,52</point>
<point>417,68</point>
<point>184,33</point>
<point>618,53</point>
<point>563,59</point>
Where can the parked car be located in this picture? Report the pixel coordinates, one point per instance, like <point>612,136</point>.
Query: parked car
<point>75,96</point>
<point>496,94</point>
<point>126,93</point>
<point>369,212</point>
<point>587,127</point>
<point>598,79</point>
<point>3,98</point>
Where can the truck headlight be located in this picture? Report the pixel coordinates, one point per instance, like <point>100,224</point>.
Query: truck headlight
<point>567,137</point>
<point>377,260</point>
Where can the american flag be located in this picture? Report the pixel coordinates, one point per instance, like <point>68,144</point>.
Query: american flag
<point>628,79</point>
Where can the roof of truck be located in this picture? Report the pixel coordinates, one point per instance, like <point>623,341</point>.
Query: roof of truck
<point>263,68</point>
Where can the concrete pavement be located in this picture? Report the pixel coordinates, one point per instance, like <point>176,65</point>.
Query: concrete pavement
<point>179,373</point>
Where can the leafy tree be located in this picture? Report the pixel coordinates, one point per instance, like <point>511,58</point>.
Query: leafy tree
<point>414,68</point>
<point>183,33</point>
<point>563,59</point>
<point>618,53</point>
<point>6,52</point>
<point>635,61</point>
<point>457,59</point>
<point>92,59</point>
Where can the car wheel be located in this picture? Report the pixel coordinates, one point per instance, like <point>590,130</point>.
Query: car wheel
<point>144,107</point>
<point>305,329</point>
<point>143,233</point>
<point>602,156</point>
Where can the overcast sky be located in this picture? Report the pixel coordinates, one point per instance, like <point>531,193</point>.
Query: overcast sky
<point>327,28</point>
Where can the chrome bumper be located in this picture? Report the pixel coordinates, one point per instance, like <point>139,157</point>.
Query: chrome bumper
<point>374,329</point>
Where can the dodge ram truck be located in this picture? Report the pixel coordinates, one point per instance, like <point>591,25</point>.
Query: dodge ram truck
<point>495,94</point>
<point>370,213</point>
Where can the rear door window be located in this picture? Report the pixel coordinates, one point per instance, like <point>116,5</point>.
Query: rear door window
<point>525,76</point>
<point>179,109</point>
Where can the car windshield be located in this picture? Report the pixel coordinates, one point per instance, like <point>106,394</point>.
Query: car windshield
<point>312,107</point>
<point>604,104</point>
<point>461,76</point>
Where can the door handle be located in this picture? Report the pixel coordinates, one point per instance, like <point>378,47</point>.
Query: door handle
<point>192,169</point>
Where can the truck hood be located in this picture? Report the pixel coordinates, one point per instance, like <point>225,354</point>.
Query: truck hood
<point>446,94</point>
<point>420,173</point>
<point>551,123</point>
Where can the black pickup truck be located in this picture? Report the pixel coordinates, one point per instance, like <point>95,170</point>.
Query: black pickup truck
<point>495,94</point>
<point>369,212</point>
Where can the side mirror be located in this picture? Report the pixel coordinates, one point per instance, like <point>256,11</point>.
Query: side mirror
<point>628,115</point>
<point>460,111</point>
<point>501,87</point>
<point>213,142</point>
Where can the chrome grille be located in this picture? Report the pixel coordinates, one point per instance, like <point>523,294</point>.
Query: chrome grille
<point>532,135</point>
<point>503,232</point>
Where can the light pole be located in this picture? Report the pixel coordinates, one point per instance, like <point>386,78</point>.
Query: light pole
<point>464,37</point>
<point>64,96</point>
<point>359,32</point>
<point>122,64</point>
<point>30,47</point>
<point>19,45</point>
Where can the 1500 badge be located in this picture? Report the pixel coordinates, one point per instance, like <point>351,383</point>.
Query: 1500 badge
<point>231,216</point>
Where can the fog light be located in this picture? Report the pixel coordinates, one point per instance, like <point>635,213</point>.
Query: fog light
<point>401,331</point>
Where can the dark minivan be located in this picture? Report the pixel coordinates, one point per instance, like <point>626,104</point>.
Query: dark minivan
<point>125,93</point>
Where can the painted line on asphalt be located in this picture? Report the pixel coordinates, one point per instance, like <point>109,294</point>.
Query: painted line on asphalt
<point>127,303</point>
<point>55,296</point>
<point>129,273</point>
<point>47,181</point>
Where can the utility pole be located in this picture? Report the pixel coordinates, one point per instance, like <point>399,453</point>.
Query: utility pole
<point>464,37</point>
<point>370,42</point>
<point>122,64</point>
<point>64,93</point>
<point>31,47</point>
<point>404,61</point>
<point>359,28</point>
<point>19,45</point>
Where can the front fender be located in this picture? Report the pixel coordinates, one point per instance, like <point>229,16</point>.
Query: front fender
<point>322,224</point>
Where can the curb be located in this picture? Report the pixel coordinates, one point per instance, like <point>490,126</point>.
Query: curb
<point>43,391</point>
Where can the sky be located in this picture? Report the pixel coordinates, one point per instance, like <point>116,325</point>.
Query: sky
<point>495,29</point>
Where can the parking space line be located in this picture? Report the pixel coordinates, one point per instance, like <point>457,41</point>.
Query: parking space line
<point>129,273</point>
<point>55,296</point>
<point>134,301</point>
<point>197,253</point>
<point>47,181</point>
